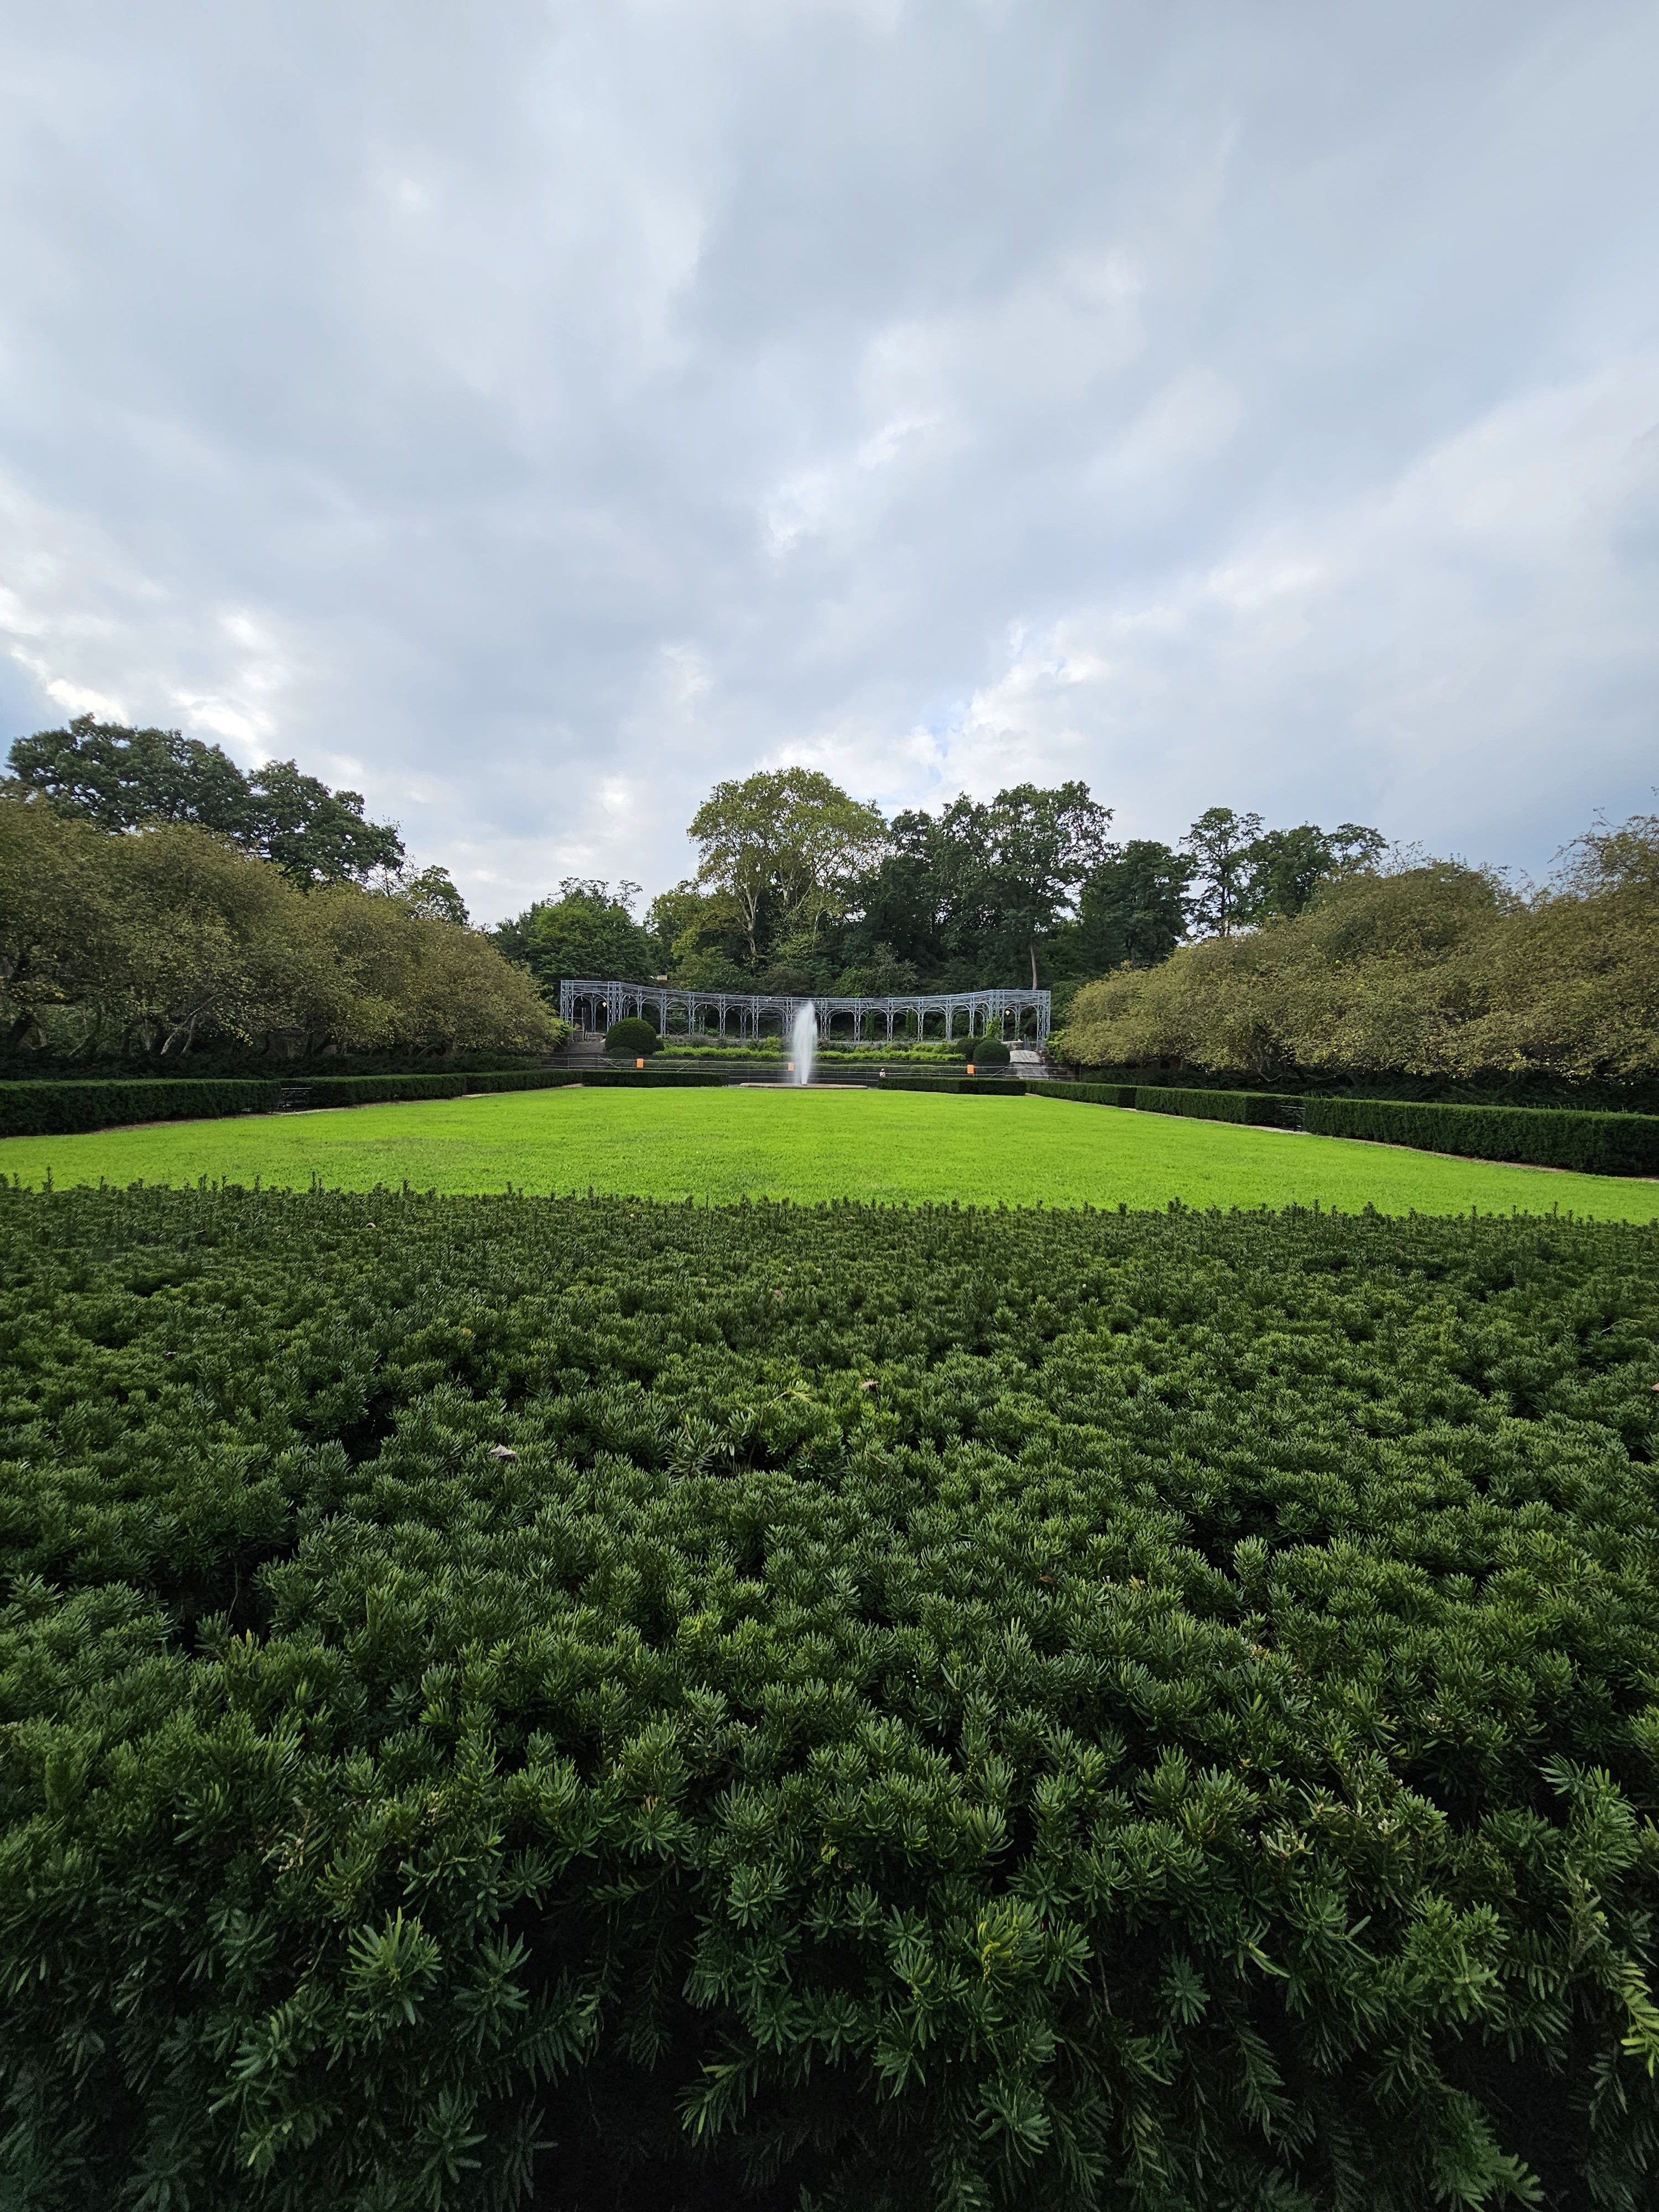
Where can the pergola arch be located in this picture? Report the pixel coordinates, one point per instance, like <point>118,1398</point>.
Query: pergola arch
<point>588,1003</point>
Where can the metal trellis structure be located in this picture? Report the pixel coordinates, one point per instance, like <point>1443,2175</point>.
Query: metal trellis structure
<point>589,1004</point>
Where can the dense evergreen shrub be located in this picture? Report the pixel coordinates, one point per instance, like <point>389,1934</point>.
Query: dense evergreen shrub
<point>1089,1094</point>
<point>984,1086</point>
<point>55,1109</point>
<point>649,1077</point>
<point>633,1034</point>
<point>1265,1109</point>
<point>371,1089</point>
<point>516,1702</point>
<point>987,1051</point>
<point>1594,1144</point>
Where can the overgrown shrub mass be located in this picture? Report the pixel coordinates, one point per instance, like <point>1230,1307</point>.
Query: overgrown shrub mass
<point>587,1704</point>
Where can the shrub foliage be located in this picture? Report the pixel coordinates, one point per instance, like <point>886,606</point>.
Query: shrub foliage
<point>633,1034</point>
<point>528,1702</point>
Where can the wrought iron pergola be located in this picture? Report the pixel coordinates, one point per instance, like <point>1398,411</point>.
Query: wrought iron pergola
<point>588,1005</point>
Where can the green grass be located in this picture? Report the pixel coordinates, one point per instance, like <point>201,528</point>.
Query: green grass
<point>725,1145</point>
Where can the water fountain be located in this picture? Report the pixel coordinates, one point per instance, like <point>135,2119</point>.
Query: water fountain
<point>804,1041</point>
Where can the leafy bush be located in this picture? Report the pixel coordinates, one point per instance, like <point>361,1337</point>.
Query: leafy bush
<point>633,1034</point>
<point>987,1051</point>
<point>1594,1144</point>
<point>515,1702</point>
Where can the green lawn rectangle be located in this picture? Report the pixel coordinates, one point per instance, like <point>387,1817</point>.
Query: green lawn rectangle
<point>722,1145</point>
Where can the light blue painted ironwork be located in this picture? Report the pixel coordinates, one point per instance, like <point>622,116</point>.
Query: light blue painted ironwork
<point>591,1005</point>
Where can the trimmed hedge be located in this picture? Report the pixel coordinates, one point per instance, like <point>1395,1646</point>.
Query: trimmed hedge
<point>373,1090</point>
<point>633,1034</point>
<point>1091,1094</point>
<point>60,1108</point>
<point>1534,1136</point>
<point>650,1078</point>
<point>65,1109</point>
<point>1261,1108</point>
<point>979,1086</point>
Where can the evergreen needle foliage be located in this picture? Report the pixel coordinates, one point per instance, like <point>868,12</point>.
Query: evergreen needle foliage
<point>588,1704</point>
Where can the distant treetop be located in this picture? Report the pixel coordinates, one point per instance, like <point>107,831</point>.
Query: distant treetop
<point>122,779</point>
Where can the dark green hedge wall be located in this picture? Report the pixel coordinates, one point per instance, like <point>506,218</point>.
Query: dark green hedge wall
<point>1091,1094</point>
<point>1263,1109</point>
<point>981,1086</point>
<point>1594,1144</point>
<point>51,1110</point>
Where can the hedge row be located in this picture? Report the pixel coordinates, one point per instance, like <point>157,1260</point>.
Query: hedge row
<point>1531,1136</point>
<point>51,1110</point>
<point>1260,1109</point>
<point>981,1086</point>
<point>59,1109</point>
<point>1091,1094</point>
<point>1537,1136</point>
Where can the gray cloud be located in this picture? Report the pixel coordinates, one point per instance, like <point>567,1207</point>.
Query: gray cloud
<point>530,414</point>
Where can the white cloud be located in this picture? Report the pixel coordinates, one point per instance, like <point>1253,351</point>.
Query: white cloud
<point>547,414</point>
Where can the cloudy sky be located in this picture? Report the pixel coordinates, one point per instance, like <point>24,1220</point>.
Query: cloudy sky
<point>530,413</point>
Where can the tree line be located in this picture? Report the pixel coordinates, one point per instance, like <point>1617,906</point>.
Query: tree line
<point>155,902</point>
<point>1421,969</point>
<point>801,888</point>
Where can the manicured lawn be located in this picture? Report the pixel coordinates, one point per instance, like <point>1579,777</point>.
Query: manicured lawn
<point>725,1145</point>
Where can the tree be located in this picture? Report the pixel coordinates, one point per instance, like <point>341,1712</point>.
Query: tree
<point>1039,847</point>
<point>1286,866</point>
<point>783,843</point>
<point>313,834</point>
<point>431,892</point>
<point>420,984</point>
<point>1133,906</point>
<point>122,778</point>
<point>117,777</point>
<point>964,895</point>
<point>57,916</point>
<point>587,931</point>
<point>1219,846</point>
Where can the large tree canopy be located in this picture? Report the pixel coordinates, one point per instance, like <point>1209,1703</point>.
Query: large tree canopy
<point>784,844</point>
<point>121,779</point>
<point>587,931</point>
<point>172,938</point>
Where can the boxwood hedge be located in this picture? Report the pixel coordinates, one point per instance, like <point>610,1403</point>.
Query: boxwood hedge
<point>511,1702</point>
<point>1543,1136</point>
<point>50,1109</point>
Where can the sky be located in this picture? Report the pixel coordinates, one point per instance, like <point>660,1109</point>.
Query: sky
<point>528,415</point>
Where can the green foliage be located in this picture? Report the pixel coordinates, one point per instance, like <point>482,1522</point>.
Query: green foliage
<point>30,1109</point>
<point>587,932</point>
<point>145,946</point>
<point>1087,1094</point>
<point>1262,1108</point>
<point>1593,1144</point>
<point>603,1704</point>
<point>1133,906</point>
<point>122,779</point>
<point>981,1086</point>
<point>781,845</point>
<point>987,1051</point>
<point>633,1034</point>
<point>1433,970</point>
